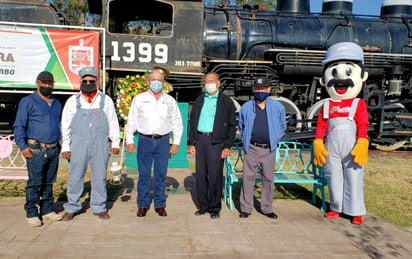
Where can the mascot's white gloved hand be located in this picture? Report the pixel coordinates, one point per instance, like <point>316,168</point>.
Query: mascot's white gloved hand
<point>360,151</point>
<point>319,152</point>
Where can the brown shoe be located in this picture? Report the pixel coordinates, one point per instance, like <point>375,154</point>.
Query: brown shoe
<point>141,212</point>
<point>102,215</point>
<point>67,216</point>
<point>161,211</point>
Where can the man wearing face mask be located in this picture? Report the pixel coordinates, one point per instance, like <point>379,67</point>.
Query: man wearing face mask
<point>212,131</point>
<point>261,124</point>
<point>89,120</point>
<point>37,133</point>
<point>156,117</point>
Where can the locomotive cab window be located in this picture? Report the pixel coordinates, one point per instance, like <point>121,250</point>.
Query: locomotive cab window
<point>153,18</point>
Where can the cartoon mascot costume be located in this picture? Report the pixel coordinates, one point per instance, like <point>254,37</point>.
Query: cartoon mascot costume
<point>343,120</point>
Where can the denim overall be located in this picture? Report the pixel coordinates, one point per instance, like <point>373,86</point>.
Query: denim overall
<point>89,145</point>
<point>344,176</point>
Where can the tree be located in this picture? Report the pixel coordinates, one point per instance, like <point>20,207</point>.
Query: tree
<point>263,4</point>
<point>75,10</point>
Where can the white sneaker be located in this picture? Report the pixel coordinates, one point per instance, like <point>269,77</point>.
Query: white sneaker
<point>34,222</point>
<point>53,216</point>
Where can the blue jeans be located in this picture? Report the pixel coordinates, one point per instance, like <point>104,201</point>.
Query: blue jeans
<point>150,151</point>
<point>42,171</point>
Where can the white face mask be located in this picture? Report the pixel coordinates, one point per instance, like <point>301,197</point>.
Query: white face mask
<point>210,88</point>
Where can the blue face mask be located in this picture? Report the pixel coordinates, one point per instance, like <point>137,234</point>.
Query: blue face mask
<point>156,86</point>
<point>261,96</point>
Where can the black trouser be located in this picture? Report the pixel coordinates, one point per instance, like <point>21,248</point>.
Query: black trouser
<point>209,174</point>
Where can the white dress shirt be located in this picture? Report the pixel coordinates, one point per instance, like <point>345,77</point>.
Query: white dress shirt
<point>154,117</point>
<point>70,109</point>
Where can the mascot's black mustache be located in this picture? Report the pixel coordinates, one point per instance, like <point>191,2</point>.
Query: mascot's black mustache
<point>341,82</point>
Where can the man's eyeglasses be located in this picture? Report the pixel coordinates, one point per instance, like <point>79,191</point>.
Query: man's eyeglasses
<point>85,81</point>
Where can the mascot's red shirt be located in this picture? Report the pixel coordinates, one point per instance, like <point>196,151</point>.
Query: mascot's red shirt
<point>341,108</point>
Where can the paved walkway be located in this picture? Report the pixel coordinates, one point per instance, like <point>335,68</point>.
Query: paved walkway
<point>301,231</point>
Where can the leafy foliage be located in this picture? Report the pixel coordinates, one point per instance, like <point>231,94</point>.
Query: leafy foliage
<point>75,10</point>
<point>129,87</point>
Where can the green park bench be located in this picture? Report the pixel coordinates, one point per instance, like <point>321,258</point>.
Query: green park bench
<point>294,164</point>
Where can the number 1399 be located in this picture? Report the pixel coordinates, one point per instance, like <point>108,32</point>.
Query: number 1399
<point>145,52</point>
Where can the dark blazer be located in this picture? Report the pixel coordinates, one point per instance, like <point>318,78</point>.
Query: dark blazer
<point>224,126</point>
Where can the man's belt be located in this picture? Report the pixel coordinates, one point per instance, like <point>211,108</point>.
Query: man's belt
<point>205,133</point>
<point>262,145</point>
<point>154,136</point>
<point>40,144</point>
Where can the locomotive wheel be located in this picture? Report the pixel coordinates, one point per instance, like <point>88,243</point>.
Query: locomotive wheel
<point>313,114</point>
<point>391,147</point>
<point>237,105</point>
<point>398,142</point>
<point>293,116</point>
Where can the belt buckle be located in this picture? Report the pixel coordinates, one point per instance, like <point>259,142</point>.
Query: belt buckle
<point>51,145</point>
<point>155,136</point>
<point>260,145</point>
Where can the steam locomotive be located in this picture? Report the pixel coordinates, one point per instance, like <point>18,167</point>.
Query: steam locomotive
<point>189,39</point>
<point>287,46</point>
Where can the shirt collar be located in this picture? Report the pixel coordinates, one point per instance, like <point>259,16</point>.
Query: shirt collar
<point>150,92</point>
<point>212,96</point>
<point>39,97</point>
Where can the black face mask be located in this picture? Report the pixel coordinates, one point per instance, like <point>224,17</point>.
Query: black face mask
<point>45,91</point>
<point>88,88</point>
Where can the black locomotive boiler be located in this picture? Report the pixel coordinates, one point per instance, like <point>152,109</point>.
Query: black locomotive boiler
<point>242,42</point>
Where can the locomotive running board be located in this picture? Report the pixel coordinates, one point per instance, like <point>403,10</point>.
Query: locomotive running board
<point>315,57</point>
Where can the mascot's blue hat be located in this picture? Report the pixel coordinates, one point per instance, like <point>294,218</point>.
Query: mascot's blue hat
<point>344,51</point>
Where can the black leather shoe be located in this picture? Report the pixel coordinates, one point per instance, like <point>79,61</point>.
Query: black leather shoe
<point>161,211</point>
<point>214,215</point>
<point>244,215</point>
<point>200,212</point>
<point>141,212</point>
<point>271,215</point>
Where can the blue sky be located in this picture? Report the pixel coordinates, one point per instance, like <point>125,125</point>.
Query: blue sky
<point>369,7</point>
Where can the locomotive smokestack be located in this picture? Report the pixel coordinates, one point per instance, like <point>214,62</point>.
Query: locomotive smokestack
<point>396,8</point>
<point>337,6</point>
<point>294,6</point>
